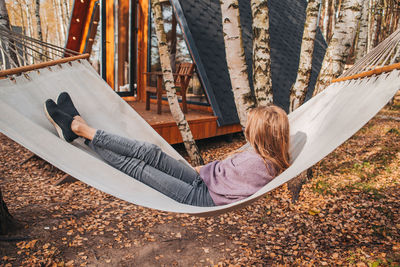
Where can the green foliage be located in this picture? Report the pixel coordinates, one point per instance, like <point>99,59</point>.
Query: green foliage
<point>375,263</point>
<point>322,187</point>
<point>393,131</point>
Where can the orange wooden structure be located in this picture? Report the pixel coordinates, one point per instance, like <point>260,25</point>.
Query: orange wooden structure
<point>126,53</point>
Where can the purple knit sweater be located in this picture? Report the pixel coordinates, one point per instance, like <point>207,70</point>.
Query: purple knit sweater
<point>236,177</point>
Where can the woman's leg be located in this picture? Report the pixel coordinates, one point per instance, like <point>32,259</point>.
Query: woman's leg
<point>149,153</point>
<point>195,193</point>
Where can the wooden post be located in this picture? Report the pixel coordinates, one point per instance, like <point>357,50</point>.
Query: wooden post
<point>142,37</point>
<point>110,43</point>
<point>133,46</point>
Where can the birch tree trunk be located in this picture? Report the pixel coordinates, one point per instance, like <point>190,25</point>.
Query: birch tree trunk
<point>262,81</point>
<point>299,90</point>
<point>332,20</point>
<point>325,21</point>
<point>5,23</point>
<point>59,23</point>
<point>22,17</point>
<point>378,19</point>
<point>7,222</point>
<point>38,21</point>
<point>67,10</point>
<point>340,44</point>
<point>235,58</point>
<point>62,19</point>
<point>29,29</point>
<point>4,19</point>
<point>361,48</point>
<point>168,77</point>
<point>369,44</point>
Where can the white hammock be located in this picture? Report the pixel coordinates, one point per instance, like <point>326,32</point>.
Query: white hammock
<point>317,128</point>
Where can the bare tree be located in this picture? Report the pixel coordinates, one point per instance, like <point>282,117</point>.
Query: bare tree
<point>299,90</point>
<point>235,58</point>
<point>10,46</point>
<point>60,27</point>
<point>262,81</point>
<point>342,39</point>
<point>362,40</point>
<point>38,21</point>
<point>29,20</point>
<point>168,77</point>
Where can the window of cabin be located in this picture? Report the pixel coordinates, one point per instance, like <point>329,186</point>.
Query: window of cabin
<point>179,53</point>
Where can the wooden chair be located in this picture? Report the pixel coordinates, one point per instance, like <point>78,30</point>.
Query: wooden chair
<point>184,73</point>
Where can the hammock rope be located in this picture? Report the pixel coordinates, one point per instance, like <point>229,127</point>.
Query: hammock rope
<point>28,50</point>
<point>386,53</point>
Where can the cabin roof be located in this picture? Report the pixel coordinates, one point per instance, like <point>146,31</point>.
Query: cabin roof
<point>200,21</point>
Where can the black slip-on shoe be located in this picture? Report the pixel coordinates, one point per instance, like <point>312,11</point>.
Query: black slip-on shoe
<point>64,102</point>
<point>61,121</point>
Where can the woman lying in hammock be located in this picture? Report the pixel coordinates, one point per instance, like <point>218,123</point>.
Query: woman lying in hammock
<point>217,183</point>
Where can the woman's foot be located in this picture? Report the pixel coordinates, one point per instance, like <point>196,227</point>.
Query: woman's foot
<point>81,128</point>
<point>60,120</point>
<point>65,103</point>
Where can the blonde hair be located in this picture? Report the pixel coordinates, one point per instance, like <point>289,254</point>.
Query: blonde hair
<point>267,131</point>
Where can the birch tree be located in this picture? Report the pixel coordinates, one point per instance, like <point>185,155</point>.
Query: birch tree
<point>235,58</point>
<point>38,21</point>
<point>362,42</point>
<point>168,78</point>
<point>340,44</point>
<point>29,22</point>
<point>299,90</point>
<point>7,222</point>
<point>262,81</point>
<point>370,27</point>
<point>59,23</point>
<point>4,20</point>
<point>5,24</point>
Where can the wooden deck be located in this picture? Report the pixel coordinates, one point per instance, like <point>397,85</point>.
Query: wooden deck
<point>202,122</point>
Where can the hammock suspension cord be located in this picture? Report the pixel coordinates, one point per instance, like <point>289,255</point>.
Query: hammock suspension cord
<point>19,50</point>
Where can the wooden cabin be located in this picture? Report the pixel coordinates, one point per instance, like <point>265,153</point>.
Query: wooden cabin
<point>124,35</point>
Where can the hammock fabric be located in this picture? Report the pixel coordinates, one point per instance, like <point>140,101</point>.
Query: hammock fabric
<point>317,128</point>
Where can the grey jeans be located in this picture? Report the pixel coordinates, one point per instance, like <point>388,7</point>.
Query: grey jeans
<point>148,164</point>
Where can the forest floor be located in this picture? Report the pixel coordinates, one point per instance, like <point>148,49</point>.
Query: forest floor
<point>347,214</point>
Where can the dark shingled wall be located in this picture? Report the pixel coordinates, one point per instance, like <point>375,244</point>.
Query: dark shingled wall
<point>200,21</point>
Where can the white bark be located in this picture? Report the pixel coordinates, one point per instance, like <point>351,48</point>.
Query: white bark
<point>325,24</point>
<point>361,48</point>
<point>10,45</point>
<point>340,44</point>
<point>38,21</point>
<point>299,90</point>
<point>67,10</point>
<point>59,23</point>
<point>4,20</point>
<point>168,77</point>
<point>369,42</point>
<point>236,59</point>
<point>30,31</point>
<point>262,81</point>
